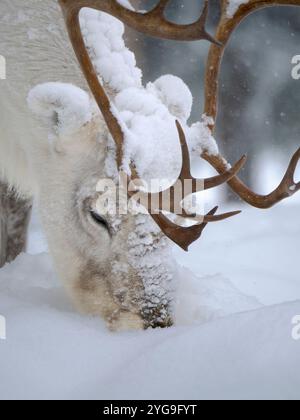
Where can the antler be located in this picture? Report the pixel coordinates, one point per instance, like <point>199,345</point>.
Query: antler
<point>226,27</point>
<point>151,23</point>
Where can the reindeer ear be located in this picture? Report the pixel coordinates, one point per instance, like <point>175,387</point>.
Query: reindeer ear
<point>64,107</point>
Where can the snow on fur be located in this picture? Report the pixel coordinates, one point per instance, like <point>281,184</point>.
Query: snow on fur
<point>63,103</point>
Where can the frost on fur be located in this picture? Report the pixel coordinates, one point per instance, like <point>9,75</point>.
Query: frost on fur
<point>65,105</point>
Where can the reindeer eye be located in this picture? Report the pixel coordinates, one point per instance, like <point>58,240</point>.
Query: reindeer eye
<point>99,219</point>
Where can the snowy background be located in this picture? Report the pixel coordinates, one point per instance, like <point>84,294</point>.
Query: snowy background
<point>233,338</point>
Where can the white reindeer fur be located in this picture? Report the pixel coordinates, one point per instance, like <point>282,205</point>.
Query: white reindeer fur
<point>126,278</point>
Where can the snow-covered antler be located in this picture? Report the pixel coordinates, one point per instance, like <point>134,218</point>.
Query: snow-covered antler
<point>230,20</point>
<point>152,23</point>
<point>155,24</point>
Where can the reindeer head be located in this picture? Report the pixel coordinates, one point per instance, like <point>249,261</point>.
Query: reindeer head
<point>120,264</point>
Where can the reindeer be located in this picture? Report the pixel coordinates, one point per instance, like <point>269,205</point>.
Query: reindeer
<point>118,268</point>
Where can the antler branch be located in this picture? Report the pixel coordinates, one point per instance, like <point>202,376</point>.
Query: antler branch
<point>225,29</point>
<point>286,188</point>
<point>175,198</point>
<point>152,23</point>
<point>181,236</point>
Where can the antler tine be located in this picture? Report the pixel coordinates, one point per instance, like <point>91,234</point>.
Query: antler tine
<point>202,22</point>
<point>225,29</point>
<point>182,236</point>
<point>288,184</point>
<point>225,176</point>
<point>207,183</point>
<point>194,31</point>
<point>173,203</point>
<point>198,27</point>
<point>186,161</point>
<point>286,188</point>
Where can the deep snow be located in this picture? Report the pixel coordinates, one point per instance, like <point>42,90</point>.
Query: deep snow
<point>215,351</point>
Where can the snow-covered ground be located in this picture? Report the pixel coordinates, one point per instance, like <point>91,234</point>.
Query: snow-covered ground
<point>233,337</point>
